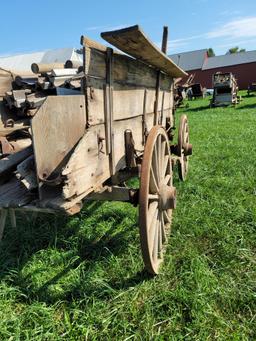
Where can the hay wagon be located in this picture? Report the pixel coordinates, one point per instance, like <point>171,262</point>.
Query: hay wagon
<point>85,146</point>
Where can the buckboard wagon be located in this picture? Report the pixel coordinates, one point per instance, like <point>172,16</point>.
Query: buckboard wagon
<point>85,146</point>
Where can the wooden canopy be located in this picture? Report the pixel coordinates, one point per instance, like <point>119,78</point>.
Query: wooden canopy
<point>133,41</point>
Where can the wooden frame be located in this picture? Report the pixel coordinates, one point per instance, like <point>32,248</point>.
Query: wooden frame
<point>83,145</point>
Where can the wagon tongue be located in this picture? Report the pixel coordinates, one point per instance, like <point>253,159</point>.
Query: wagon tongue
<point>133,41</point>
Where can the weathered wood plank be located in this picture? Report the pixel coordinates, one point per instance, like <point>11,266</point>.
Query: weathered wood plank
<point>88,166</point>
<point>126,70</point>
<point>128,101</point>
<point>95,101</point>
<point>87,42</point>
<point>56,128</point>
<point>14,194</point>
<point>9,163</point>
<point>132,40</point>
<point>135,125</point>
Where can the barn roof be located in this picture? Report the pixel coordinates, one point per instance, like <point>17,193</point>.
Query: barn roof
<point>22,62</point>
<point>192,60</point>
<point>229,60</point>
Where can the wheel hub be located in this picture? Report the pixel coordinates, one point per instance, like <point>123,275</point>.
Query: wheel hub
<point>167,197</point>
<point>187,149</point>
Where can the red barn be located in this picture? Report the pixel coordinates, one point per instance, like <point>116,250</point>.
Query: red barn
<point>241,64</point>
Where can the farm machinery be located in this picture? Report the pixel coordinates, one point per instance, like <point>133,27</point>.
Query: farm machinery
<point>251,88</point>
<point>225,89</point>
<point>78,133</point>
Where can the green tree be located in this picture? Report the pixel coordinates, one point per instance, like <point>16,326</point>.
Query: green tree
<point>235,49</point>
<point>211,53</point>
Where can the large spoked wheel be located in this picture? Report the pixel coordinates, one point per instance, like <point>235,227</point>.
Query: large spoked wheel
<point>157,198</point>
<point>184,148</point>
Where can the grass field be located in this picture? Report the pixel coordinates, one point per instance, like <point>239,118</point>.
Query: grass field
<point>81,278</point>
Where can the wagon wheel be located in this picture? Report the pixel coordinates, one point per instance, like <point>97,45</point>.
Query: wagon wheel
<point>157,198</point>
<point>184,147</point>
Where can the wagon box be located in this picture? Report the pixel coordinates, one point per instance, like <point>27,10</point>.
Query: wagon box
<point>84,146</point>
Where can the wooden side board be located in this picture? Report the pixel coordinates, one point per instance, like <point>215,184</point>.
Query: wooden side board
<point>126,70</point>
<point>88,166</point>
<point>128,100</point>
<point>133,102</point>
<point>56,128</point>
<point>131,91</point>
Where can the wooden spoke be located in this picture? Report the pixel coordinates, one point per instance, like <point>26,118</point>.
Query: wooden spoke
<point>183,139</point>
<point>156,242</point>
<point>186,136</point>
<point>167,179</point>
<point>152,230</point>
<point>163,232</point>
<point>165,164</point>
<point>153,197</point>
<point>167,219</point>
<point>156,165</point>
<point>152,210</point>
<point>163,161</point>
<point>153,182</point>
<point>159,150</point>
<point>160,236</point>
<point>155,186</point>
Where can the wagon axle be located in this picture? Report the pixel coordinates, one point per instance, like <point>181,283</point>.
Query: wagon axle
<point>187,149</point>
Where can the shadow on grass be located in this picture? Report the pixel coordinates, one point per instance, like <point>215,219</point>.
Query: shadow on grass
<point>86,288</point>
<point>249,96</point>
<point>205,107</point>
<point>18,248</point>
<point>247,106</point>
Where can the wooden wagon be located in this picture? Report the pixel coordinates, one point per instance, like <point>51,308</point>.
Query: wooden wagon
<point>120,125</point>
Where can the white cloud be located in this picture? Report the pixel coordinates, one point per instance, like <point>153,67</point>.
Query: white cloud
<point>175,44</point>
<point>239,43</point>
<point>239,28</point>
<point>187,39</point>
<point>235,32</point>
<point>230,13</point>
<point>172,46</point>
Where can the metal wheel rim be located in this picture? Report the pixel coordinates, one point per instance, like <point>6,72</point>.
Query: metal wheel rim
<point>183,138</point>
<point>153,220</point>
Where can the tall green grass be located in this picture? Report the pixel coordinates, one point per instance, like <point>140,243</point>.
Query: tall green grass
<point>82,278</point>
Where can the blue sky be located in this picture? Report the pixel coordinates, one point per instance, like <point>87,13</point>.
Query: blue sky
<point>28,25</point>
